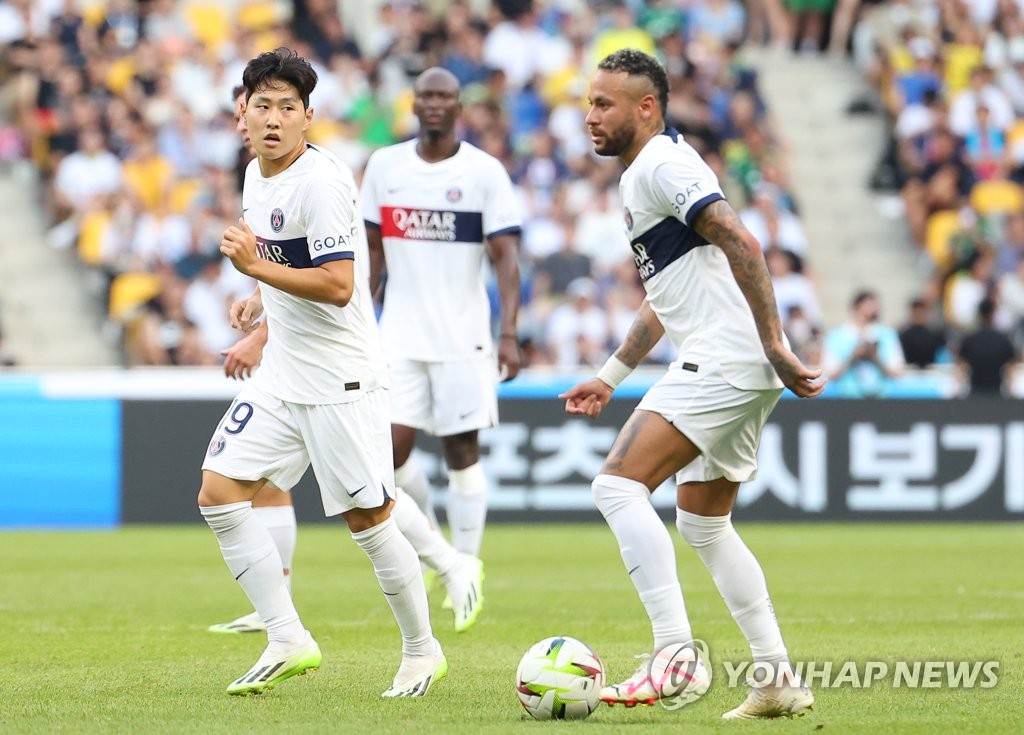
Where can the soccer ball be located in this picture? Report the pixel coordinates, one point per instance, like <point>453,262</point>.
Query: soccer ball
<point>559,678</point>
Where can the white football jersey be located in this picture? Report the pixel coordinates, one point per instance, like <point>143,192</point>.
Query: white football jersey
<point>434,218</point>
<point>303,217</point>
<point>688,281</point>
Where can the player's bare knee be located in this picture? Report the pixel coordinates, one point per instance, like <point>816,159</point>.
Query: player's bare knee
<point>219,490</point>
<point>208,495</point>
<point>461,450</point>
<point>363,519</point>
<point>403,439</point>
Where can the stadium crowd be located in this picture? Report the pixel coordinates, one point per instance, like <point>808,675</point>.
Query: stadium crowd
<point>127,110</point>
<point>949,77</point>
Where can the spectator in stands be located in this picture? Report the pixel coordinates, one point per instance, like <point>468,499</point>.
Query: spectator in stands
<point>599,233</point>
<point>967,288</point>
<point>1011,77</point>
<point>807,18</point>
<point>147,175</point>
<point>792,288</point>
<point>163,335</point>
<point>861,354</point>
<point>922,79</point>
<point>772,225</point>
<point>963,111</point>
<point>944,182</point>
<point>465,55</point>
<point>804,335</point>
<point>154,68</point>
<point>206,297</point>
<point>986,355</point>
<point>985,145</point>
<point>717,22</point>
<point>923,345</point>
<point>577,331</point>
<point>84,179</point>
<point>1011,300</point>
<point>566,265</point>
<point>1010,244</point>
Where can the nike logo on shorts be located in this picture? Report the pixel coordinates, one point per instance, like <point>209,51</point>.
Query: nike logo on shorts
<point>352,495</point>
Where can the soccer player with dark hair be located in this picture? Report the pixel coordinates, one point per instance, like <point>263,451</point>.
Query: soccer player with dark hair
<point>320,395</point>
<point>461,574</point>
<point>708,288</point>
<point>270,505</point>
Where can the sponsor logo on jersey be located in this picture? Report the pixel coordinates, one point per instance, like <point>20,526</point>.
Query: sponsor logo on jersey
<point>454,194</point>
<point>628,217</point>
<point>216,446</point>
<point>293,253</point>
<point>277,220</point>
<point>431,224</point>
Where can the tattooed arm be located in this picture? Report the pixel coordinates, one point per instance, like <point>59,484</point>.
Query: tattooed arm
<point>591,396</point>
<point>645,332</point>
<point>720,225</point>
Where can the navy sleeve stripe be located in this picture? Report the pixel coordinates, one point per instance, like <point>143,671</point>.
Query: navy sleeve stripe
<point>662,245</point>
<point>516,230</point>
<point>371,225</point>
<point>344,255</point>
<point>699,205</point>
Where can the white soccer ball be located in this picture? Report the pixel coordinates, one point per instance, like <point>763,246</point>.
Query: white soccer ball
<point>559,678</point>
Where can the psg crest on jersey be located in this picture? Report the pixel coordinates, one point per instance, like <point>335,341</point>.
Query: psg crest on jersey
<point>454,194</point>
<point>216,446</point>
<point>277,220</point>
<point>628,217</point>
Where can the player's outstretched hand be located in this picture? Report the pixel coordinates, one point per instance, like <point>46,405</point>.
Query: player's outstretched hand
<point>802,380</point>
<point>239,244</point>
<point>587,398</point>
<point>243,357</point>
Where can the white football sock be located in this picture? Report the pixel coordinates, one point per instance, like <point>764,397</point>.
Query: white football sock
<point>428,542</point>
<point>739,579</point>
<point>648,554</point>
<point>251,556</point>
<point>411,478</point>
<point>467,508</point>
<point>280,521</point>
<point>398,572</point>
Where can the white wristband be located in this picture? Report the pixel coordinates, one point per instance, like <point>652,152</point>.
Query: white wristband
<point>613,372</point>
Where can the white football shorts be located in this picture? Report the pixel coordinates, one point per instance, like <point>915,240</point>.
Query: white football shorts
<point>445,398</point>
<point>348,444</point>
<point>724,421</point>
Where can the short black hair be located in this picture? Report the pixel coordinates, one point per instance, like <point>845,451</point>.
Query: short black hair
<point>863,295</point>
<point>280,65</point>
<point>637,63</point>
<point>237,90</point>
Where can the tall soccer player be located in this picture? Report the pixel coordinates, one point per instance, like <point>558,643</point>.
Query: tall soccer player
<point>708,288</point>
<point>270,505</point>
<point>435,207</point>
<point>320,395</point>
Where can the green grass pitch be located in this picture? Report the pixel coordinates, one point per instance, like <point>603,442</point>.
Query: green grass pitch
<point>106,632</point>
